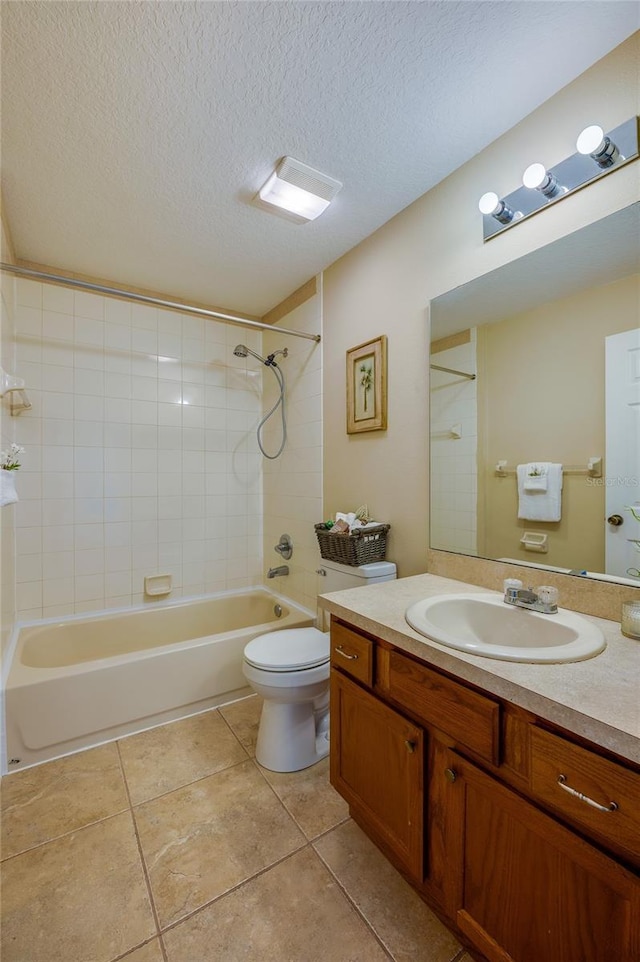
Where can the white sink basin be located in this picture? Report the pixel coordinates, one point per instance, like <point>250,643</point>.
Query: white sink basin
<point>485,625</point>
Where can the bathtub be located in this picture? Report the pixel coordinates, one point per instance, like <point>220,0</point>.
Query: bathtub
<point>76,683</point>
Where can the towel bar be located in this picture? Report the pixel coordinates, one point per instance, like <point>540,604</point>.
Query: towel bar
<point>593,468</point>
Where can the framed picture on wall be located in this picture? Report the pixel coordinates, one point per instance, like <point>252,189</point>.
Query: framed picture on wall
<point>367,386</point>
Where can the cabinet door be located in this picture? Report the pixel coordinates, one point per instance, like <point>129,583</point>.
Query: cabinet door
<point>532,890</point>
<point>443,820</point>
<point>377,760</point>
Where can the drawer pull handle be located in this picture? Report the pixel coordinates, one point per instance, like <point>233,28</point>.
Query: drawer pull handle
<point>450,774</point>
<point>562,782</point>
<point>411,746</point>
<point>340,650</point>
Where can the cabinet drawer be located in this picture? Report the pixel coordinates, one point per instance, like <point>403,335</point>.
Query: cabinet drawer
<point>352,653</point>
<point>468,717</point>
<point>583,786</point>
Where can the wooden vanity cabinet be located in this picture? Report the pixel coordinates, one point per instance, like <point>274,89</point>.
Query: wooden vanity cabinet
<point>531,889</point>
<point>475,827</point>
<point>378,769</point>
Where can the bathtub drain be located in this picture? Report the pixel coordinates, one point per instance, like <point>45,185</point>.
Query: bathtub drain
<point>277,610</point>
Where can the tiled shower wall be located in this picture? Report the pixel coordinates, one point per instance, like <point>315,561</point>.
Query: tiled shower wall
<point>454,472</point>
<point>293,482</point>
<point>7,426</point>
<point>140,455</point>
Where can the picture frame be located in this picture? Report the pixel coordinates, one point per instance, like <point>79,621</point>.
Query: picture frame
<point>367,386</point>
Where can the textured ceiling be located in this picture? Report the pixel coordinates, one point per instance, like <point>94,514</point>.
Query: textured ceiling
<point>135,134</point>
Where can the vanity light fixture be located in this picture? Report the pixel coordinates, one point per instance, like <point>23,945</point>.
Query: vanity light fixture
<point>597,154</point>
<point>592,141</point>
<point>299,190</point>
<point>490,203</point>
<point>537,177</point>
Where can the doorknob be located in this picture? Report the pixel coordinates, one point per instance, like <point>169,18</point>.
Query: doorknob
<point>615,519</point>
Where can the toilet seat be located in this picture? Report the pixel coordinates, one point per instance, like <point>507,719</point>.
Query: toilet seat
<point>291,649</point>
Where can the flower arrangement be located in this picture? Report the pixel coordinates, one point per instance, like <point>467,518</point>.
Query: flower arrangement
<point>366,380</point>
<point>9,460</point>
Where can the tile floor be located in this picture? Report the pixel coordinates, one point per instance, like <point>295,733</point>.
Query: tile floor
<point>175,846</point>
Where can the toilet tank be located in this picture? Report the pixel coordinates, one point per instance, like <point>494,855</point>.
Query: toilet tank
<point>338,576</point>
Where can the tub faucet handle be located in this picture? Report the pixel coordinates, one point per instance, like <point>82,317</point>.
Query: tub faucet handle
<point>284,546</point>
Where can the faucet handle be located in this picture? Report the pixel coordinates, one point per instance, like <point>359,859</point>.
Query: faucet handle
<point>548,595</point>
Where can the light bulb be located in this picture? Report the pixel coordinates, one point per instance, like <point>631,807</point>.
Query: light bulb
<point>534,176</point>
<point>590,140</point>
<point>489,203</point>
<point>537,177</point>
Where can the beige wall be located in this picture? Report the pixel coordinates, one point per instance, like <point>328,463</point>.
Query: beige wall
<point>538,406</point>
<point>384,286</point>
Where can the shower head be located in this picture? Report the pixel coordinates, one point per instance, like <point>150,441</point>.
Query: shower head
<point>241,350</point>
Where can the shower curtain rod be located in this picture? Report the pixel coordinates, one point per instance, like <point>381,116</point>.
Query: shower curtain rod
<point>157,301</point>
<point>450,370</point>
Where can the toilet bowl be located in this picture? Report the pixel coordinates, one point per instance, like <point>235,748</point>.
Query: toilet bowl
<point>290,669</point>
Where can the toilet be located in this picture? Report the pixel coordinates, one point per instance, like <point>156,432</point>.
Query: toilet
<point>290,669</point>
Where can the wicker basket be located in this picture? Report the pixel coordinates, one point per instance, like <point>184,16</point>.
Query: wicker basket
<point>358,548</point>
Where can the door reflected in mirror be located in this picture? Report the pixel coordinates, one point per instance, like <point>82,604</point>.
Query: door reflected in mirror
<point>554,344</point>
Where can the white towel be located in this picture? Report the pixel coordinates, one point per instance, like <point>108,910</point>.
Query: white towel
<point>7,488</point>
<point>537,473</point>
<point>538,505</point>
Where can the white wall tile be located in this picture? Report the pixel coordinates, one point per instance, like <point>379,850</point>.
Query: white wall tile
<point>57,298</point>
<point>57,327</point>
<point>133,461</point>
<point>89,305</point>
<point>117,311</point>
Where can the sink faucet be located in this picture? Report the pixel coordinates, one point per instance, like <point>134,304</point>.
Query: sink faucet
<point>278,572</point>
<point>544,600</point>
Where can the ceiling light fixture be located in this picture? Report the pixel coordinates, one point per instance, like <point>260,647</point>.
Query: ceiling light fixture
<point>597,155</point>
<point>299,189</point>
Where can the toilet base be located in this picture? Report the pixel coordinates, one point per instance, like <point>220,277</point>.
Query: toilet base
<point>291,736</point>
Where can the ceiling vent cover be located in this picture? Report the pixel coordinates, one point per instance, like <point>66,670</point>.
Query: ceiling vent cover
<point>298,189</point>
<point>314,181</point>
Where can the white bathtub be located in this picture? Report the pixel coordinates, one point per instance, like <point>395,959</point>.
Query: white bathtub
<point>88,679</point>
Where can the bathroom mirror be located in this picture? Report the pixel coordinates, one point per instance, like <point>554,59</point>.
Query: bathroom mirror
<point>518,360</point>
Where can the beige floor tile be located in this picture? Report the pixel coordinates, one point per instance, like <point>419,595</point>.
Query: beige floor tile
<point>403,923</point>
<point>46,801</point>
<point>81,898</point>
<point>244,718</point>
<point>165,758</point>
<point>201,840</point>
<point>293,913</point>
<point>310,798</point>
<point>151,952</point>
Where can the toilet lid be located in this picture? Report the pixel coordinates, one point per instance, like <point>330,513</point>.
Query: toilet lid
<point>288,650</point>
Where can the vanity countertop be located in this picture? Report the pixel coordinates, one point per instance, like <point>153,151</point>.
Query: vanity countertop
<point>597,699</point>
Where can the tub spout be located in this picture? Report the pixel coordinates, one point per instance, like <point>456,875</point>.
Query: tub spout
<point>278,572</point>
